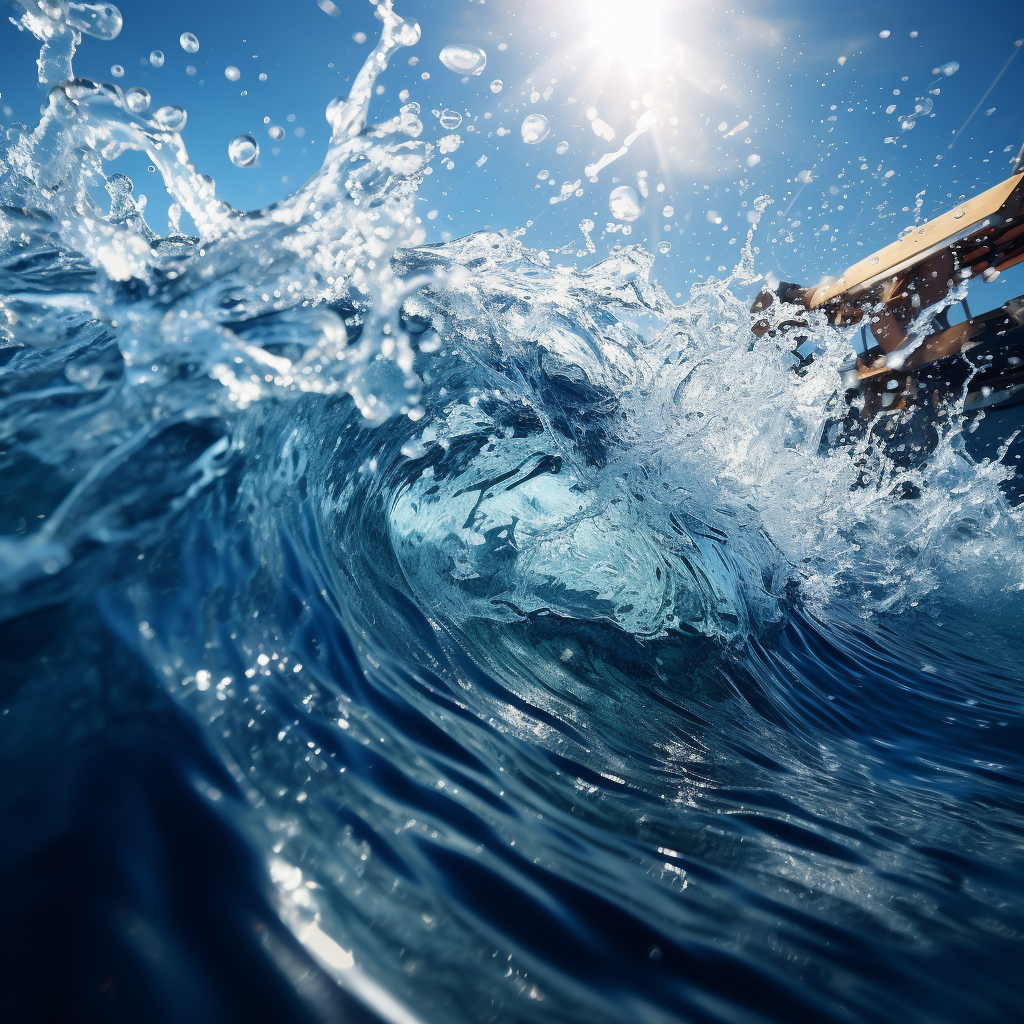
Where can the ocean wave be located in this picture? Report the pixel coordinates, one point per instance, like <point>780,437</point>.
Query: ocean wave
<point>562,673</point>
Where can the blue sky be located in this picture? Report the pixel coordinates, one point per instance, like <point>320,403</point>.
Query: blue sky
<point>814,141</point>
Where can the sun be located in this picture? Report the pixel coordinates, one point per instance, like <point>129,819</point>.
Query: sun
<point>635,33</point>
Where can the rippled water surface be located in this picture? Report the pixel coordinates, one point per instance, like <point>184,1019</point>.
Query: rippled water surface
<point>504,646</point>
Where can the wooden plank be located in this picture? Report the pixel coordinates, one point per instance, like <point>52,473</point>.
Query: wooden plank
<point>925,241</point>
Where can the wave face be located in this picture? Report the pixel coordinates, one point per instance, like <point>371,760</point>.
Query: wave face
<point>553,669</point>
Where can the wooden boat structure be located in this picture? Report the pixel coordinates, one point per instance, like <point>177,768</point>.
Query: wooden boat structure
<point>915,369</point>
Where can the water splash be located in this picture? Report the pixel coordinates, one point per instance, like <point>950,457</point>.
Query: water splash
<point>500,584</point>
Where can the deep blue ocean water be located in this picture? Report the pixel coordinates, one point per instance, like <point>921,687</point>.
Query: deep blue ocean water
<point>424,632</point>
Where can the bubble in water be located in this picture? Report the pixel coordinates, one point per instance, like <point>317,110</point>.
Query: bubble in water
<point>231,73</point>
<point>561,148</point>
<point>156,59</point>
<point>171,118</point>
<point>497,85</point>
<point>463,59</point>
<point>102,21</point>
<point>664,247</point>
<point>535,127</point>
<point>244,150</point>
<point>116,70</point>
<point>189,42</point>
<point>450,119</point>
<point>137,99</point>
<point>624,203</point>
<point>276,132</point>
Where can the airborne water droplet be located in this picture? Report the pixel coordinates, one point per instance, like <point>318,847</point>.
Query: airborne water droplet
<point>951,67</point>
<point>497,85</point>
<point>156,59</point>
<point>189,42</point>
<point>463,59</point>
<point>624,203</point>
<point>450,119</point>
<point>561,148</point>
<point>276,132</point>
<point>535,127</point>
<point>664,247</point>
<point>231,73</point>
<point>116,70</point>
<point>244,150</point>
<point>137,99</point>
<point>172,118</point>
<point>102,21</point>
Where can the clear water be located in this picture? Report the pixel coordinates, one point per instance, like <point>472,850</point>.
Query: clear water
<point>547,666</point>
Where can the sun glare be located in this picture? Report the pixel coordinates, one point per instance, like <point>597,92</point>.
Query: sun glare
<point>635,33</point>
